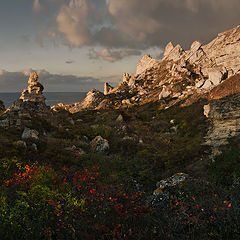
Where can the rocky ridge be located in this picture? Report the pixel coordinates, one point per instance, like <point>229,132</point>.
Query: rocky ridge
<point>181,76</point>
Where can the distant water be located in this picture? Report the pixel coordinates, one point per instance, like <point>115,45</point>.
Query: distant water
<point>52,98</point>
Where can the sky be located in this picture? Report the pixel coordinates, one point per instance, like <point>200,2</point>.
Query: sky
<point>77,45</point>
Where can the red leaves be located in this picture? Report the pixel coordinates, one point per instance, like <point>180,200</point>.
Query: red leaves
<point>92,191</point>
<point>23,177</point>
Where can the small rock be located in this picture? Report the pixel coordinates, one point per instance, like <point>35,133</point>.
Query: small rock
<point>206,109</point>
<point>119,119</point>
<point>34,147</point>
<point>165,93</point>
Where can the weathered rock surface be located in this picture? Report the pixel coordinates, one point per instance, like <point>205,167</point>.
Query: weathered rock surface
<point>224,115</point>
<point>30,134</point>
<point>145,62</point>
<point>99,145</point>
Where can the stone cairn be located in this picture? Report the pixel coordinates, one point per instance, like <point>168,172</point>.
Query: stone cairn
<point>34,91</point>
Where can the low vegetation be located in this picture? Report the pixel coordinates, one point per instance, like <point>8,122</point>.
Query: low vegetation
<point>54,193</point>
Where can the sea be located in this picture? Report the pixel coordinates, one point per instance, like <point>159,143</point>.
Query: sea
<point>52,98</point>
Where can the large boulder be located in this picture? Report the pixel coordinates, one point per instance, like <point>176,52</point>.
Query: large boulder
<point>30,134</point>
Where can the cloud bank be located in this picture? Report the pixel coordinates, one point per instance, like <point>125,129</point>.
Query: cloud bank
<point>17,81</point>
<point>122,27</point>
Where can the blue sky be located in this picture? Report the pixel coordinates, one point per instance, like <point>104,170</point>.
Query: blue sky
<point>77,45</point>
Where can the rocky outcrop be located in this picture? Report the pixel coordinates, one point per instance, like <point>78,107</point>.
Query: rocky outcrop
<point>145,63</point>
<point>126,77</point>
<point>169,47</point>
<point>92,100</point>
<point>107,88</point>
<point>181,76</point>
<point>30,104</point>
<point>224,117</point>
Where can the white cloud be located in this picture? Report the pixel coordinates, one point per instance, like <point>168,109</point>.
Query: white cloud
<point>72,22</point>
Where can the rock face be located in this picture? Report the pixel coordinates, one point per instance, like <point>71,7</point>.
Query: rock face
<point>30,104</point>
<point>224,115</point>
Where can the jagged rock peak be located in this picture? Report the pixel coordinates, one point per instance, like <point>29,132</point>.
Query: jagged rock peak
<point>195,46</point>
<point>145,62</point>
<point>175,54</point>
<point>107,88</point>
<point>169,47</point>
<point>34,91</point>
<point>126,77</point>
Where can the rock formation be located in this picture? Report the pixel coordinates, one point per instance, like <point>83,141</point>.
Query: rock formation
<point>92,100</point>
<point>107,88</point>
<point>146,62</point>
<point>224,115</point>
<point>30,104</point>
<point>204,71</point>
<point>34,91</point>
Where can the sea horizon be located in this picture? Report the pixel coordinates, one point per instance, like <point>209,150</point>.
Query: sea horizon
<point>52,98</point>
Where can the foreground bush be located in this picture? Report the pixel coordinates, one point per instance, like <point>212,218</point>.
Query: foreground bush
<point>38,202</point>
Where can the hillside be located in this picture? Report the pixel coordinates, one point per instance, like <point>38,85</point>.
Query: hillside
<point>156,157</point>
